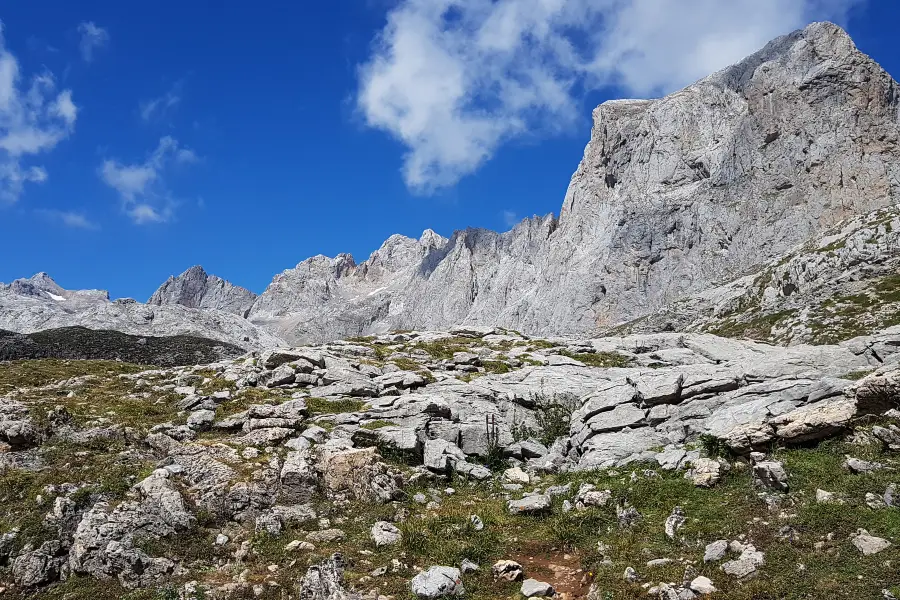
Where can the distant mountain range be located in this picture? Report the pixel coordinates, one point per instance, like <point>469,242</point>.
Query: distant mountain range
<point>759,201</point>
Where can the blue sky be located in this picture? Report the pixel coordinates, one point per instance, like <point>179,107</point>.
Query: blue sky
<point>140,139</point>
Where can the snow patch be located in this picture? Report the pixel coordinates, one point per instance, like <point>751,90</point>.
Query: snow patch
<point>55,297</point>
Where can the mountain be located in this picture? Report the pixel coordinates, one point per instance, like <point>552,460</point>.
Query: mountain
<point>713,209</point>
<point>196,289</point>
<point>673,196</point>
<point>39,303</point>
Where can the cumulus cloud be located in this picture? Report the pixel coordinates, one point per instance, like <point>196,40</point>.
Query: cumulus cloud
<point>74,220</point>
<point>34,118</point>
<point>454,79</point>
<point>141,186</point>
<point>158,107</point>
<point>92,38</point>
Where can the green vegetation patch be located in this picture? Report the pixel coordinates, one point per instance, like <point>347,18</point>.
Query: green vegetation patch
<point>599,359</point>
<point>322,406</point>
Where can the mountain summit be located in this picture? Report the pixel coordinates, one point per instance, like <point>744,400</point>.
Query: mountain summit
<point>196,289</point>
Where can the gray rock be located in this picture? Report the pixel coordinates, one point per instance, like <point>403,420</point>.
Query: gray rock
<point>507,570</point>
<point>441,455</point>
<point>746,564</point>
<point>325,581</point>
<point>468,566</point>
<point>856,465</point>
<point>437,582</point>
<point>282,375</point>
<point>529,505</point>
<point>771,475</point>
<point>195,289</point>
<point>532,588</point>
<point>702,585</point>
<point>201,420</point>
<point>39,567</point>
<point>385,534</point>
<point>674,522</point>
<point>869,544</point>
<point>299,479</point>
<point>715,551</point>
<point>103,542</point>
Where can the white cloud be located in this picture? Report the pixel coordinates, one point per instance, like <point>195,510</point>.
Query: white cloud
<point>186,156</point>
<point>455,79</point>
<point>92,38</point>
<point>34,118</point>
<point>141,186</point>
<point>510,218</point>
<point>158,107</point>
<point>70,219</point>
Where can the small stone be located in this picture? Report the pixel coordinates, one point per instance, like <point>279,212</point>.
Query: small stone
<point>771,475</point>
<point>823,497</point>
<point>468,566</point>
<point>630,575</point>
<point>476,522</point>
<point>529,505</point>
<point>385,534</point>
<point>674,522</point>
<point>705,472</point>
<point>437,582</point>
<point>221,539</point>
<point>703,585</point>
<point>859,466</point>
<point>869,544</point>
<point>746,564</point>
<point>507,570</point>
<point>659,562</point>
<point>715,551</point>
<point>516,475</point>
<point>874,501</point>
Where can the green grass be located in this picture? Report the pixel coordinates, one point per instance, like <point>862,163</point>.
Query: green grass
<point>378,425</point>
<point>445,349</point>
<point>599,359</point>
<point>321,406</point>
<point>36,373</point>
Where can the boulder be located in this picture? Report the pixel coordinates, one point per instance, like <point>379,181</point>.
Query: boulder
<point>437,582</point>
<point>385,534</point>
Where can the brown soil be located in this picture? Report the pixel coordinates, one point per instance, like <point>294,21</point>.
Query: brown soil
<point>560,569</point>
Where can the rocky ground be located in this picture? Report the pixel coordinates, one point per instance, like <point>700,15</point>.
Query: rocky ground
<point>840,285</point>
<point>476,463</point>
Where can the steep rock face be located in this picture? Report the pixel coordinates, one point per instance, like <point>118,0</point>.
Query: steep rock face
<point>38,303</point>
<point>196,289</point>
<point>673,196</point>
<point>676,194</point>
<point>327,298</point>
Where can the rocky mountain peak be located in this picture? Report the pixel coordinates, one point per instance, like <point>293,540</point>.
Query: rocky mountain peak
<point>196,289</point>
